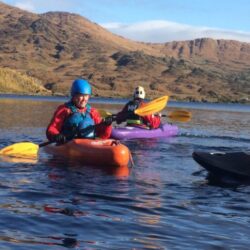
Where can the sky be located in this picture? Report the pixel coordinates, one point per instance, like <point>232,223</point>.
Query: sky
<point>157,21</point>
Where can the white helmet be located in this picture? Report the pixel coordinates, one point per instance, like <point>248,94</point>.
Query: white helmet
<point>139,92</point>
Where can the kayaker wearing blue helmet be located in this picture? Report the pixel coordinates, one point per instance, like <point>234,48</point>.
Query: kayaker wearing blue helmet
<point>127,114</point>
<point>76,117</point>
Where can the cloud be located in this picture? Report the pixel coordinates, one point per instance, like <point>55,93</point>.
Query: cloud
<point>41,6</point>
<point>25,5</point>
<point>160,31</point>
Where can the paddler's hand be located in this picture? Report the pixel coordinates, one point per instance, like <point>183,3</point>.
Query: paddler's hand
<point>107,120</point>
<point>60,138</point>
<point>157,114</point>
<point>121,117</point>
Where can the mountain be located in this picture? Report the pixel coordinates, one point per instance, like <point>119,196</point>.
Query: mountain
<point>57,47</point>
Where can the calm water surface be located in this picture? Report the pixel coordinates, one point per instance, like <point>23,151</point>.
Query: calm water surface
<point>166,202</point>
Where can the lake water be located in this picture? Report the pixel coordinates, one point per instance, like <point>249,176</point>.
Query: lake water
<point>166,202</point>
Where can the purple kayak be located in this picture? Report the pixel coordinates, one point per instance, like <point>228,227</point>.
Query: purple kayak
<point>165,130</point>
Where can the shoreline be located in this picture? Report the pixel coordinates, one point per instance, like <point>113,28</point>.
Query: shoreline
<point>181,105</point>
<point>59,97</point>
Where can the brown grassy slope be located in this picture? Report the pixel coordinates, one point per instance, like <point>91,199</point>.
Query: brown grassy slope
<point>58,47</point>
<point>15,82</point>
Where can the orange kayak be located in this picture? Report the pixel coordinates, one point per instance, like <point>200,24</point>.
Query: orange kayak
<point>98,152</point>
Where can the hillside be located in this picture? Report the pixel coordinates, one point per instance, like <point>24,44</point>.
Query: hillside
<point>57,47</point>
<point>15,82</point>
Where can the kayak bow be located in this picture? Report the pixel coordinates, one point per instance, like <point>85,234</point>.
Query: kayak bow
<point>235,164</point>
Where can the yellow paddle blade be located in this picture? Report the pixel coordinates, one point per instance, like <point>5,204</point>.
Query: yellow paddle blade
<point>152,107</point>
<point>103,113</point>
<point>21,149</point>
<point>180,115</point>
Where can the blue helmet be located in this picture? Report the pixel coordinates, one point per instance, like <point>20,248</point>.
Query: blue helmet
<point>80,86</point>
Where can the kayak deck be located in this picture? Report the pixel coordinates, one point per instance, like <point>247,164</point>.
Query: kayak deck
<point>236,164</point>
<point>98,152</point>
<point>129,132</point>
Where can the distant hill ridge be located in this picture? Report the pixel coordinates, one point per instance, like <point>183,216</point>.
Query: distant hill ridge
<point>57,47</point>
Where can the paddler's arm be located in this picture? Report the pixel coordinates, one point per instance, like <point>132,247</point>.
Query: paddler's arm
<point>102,130</point>
<point>55,126</point>
<point>122,115</point>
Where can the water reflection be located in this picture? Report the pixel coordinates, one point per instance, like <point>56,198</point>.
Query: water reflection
<point>66,242</point>
<point>72,164</point>
<point>226,181</point>
<point>11,159</point>
<point>66,211</point>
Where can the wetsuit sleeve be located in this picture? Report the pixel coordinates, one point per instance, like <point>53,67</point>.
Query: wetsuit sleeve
<point>103,131</point>
<point>56,123</point>
<point>122,115</point>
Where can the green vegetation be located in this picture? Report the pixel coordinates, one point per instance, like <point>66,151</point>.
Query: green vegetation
<point>12,81</point>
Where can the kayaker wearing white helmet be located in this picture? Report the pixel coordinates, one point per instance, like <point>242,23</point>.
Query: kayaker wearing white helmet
<point>127,114</point>
<point>76,117</point>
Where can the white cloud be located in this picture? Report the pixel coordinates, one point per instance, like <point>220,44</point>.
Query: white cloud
<point>42,6</point>
<point>159,31</point>
<point>26,5</point>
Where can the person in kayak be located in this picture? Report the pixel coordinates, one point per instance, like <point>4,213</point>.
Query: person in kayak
<point>76,118</point>
<point>127,114</point>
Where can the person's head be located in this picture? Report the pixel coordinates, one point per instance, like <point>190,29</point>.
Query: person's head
<point>80,92</point>
<point>139,93</point>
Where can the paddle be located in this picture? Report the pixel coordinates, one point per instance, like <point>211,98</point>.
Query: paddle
<point>30,149</point>
<point>156,106</point>
<point>179,116</point>
<point>24,149</point>
<point>151,107</point>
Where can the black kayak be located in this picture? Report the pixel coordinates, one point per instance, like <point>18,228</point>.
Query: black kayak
<point>235,164</point>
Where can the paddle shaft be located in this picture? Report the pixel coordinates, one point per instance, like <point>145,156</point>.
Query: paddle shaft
<point>43,144</point>
<point>170,116</point>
